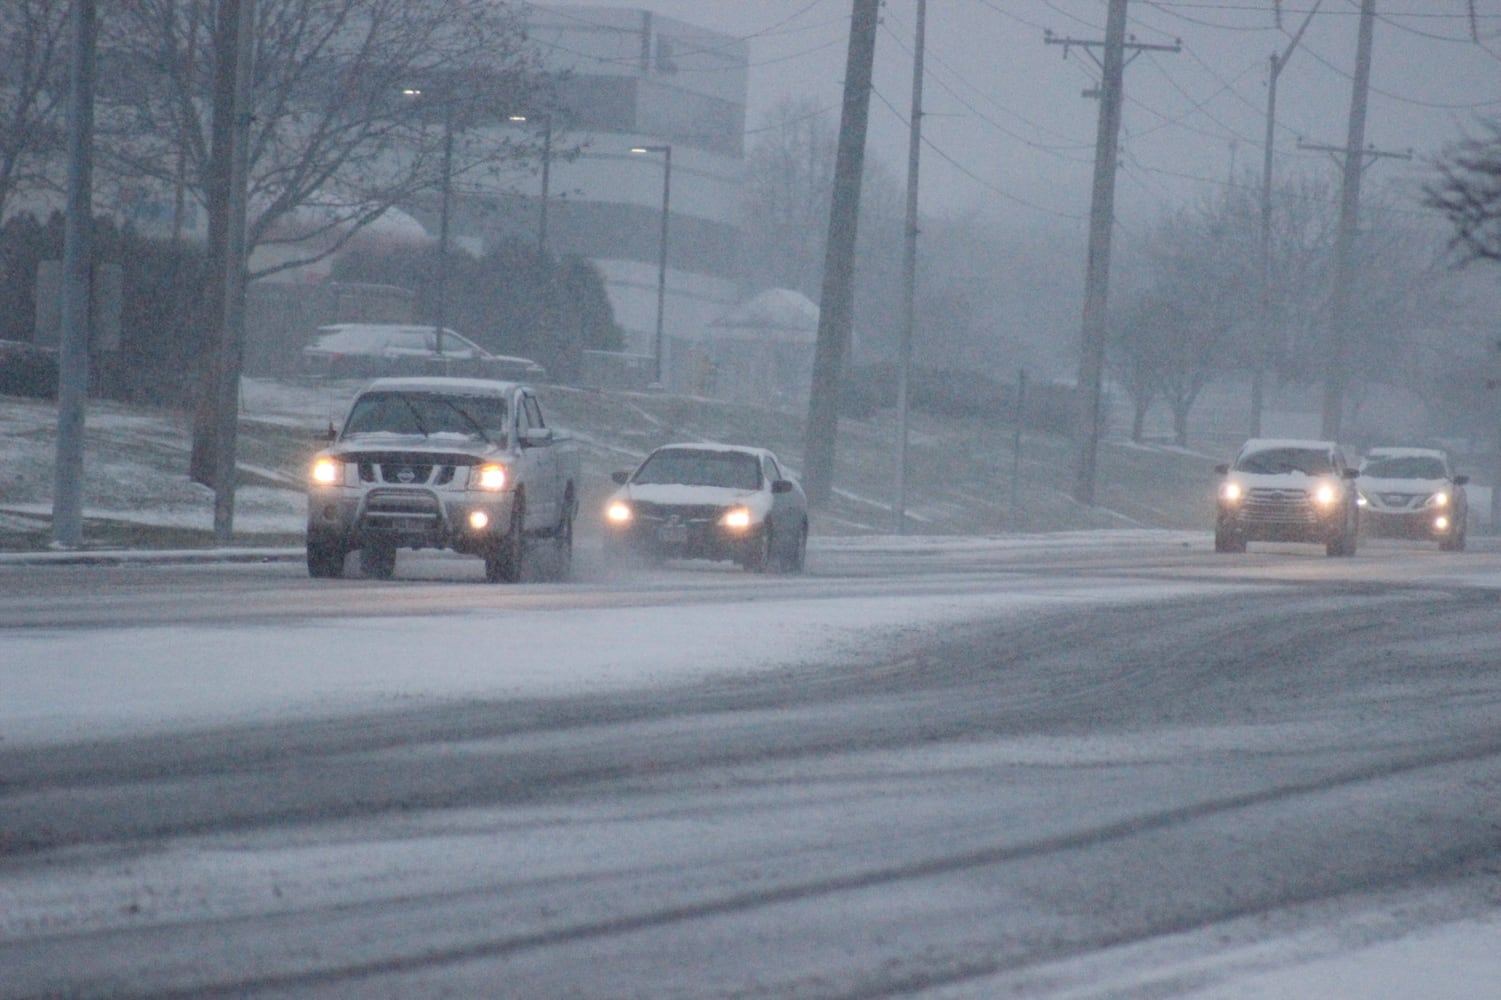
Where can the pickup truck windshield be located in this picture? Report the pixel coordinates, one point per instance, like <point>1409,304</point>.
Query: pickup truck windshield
<point>427,414</point>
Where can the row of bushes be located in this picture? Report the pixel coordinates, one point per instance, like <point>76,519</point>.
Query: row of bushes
<point>867,389</point>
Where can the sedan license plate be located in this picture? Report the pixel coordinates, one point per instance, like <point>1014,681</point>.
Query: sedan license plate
<point>672,533</point>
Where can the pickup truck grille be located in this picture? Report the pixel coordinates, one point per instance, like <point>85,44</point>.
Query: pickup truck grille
<point>1265,505</point>
<point>404,504</point>
<point>406,473</point>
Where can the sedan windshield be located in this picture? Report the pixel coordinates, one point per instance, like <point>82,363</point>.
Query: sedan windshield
<point>734,470</point>
<point>1280,461</point>
<point>1405,467</point>
<point>426,414</point>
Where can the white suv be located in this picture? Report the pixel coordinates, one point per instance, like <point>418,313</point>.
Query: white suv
<point>1287,491</point>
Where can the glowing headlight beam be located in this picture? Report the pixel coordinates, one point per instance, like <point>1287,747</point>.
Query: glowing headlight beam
<point>736,517</point>
<point>619,512</point>
<point>327,472</point>
<point>488,477</point>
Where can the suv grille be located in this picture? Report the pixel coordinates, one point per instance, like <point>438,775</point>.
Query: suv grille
<point>1266,505</point>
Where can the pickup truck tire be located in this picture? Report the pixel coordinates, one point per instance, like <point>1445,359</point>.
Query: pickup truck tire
<point>378,560</point>
<point>325,560</point>
<point>506,559</point>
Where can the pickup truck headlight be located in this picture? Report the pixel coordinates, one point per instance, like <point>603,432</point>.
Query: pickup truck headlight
<point>736,518</point>
<point>1325,494</point>
<point>1230,492</point>
<point>327,472</point>
<point>491,477</point>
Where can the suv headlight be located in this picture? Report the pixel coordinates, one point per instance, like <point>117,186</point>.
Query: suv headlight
<point>490,477</point>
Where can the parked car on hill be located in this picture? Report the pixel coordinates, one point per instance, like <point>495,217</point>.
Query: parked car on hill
<point>710,501</point>
<point>374,350</point>
<point>1413,493</point>
<point>1287,491</point>
<point>450,463</point>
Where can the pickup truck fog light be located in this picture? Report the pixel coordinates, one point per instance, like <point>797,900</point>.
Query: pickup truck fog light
<point>1441,523</point>
<point>478,520</point>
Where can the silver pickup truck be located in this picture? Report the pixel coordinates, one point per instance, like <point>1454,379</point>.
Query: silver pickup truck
<point>450,463</point>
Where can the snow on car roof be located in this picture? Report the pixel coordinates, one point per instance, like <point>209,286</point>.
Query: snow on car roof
<point>444,383</point>
<point>742,449</point>
<point>1393,451</point>
<point>1264,444</point>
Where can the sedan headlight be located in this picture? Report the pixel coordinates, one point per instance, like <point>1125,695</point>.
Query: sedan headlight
<point>619,512</point>
<point>327,472</point>
<point>736,518</point>
<point>491,477</point>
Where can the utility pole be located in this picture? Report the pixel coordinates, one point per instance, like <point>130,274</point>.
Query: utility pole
<point>232,329</point>
<point>1264,266</point>
<point>909,270</point>
<point>836,303</point>
<point>73,353</point>
<point>1349,220</point>
<point>1101,222</point>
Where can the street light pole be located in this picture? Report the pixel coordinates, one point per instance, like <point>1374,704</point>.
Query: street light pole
<point>445,184</point>
<point>546,167</point>
<point>439,312</point>
<point>666,151</point>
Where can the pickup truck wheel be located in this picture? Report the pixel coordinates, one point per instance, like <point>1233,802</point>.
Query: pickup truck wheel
<point>378,560</point>
<point>325,560</point>
<point>506,559</point>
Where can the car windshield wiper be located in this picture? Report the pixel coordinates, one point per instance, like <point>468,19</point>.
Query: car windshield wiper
<point>416,415</point>
<point>468,418</point>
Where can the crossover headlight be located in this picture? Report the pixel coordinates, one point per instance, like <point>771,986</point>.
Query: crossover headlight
<point>1438,500</point>
<point>619,512</point>
<point>327,472</point>
<point>736,518</point>
<point>490,477</point>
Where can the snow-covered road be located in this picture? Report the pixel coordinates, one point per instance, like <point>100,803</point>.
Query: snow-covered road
<point>1020,768</point>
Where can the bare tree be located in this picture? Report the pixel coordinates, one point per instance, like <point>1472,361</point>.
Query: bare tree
<point>358,106</point>
<point>355,103</point>
<point>33,88</point>
<point>789,178</point>
<point>1468,192</point>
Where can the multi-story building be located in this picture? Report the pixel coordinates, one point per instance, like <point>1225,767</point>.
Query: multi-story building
<point>630,79</point>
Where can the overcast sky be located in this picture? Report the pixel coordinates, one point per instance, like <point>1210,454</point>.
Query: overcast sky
<point>1010,133</point>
